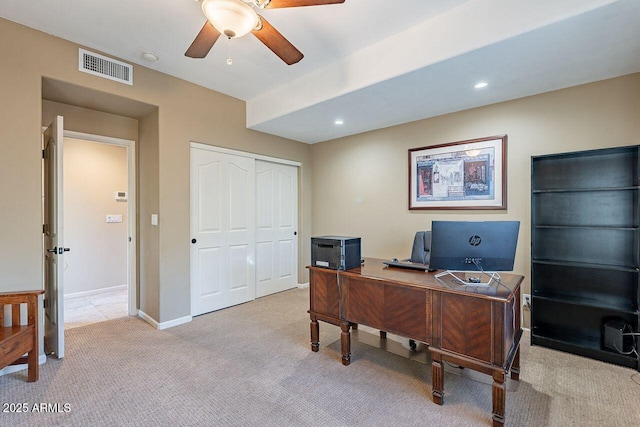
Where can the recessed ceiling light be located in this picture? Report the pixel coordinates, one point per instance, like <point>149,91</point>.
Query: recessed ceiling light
<point>338,122</point>
<point>149,56</point>
<point>481,85</point>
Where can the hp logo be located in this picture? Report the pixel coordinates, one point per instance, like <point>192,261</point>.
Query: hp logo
<point>475,240</point>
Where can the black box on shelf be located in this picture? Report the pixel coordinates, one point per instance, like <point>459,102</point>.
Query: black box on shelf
<point>614,339</point>
<point>335,252</point>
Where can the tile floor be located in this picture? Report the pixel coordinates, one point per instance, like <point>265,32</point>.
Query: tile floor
<point>93,307</point>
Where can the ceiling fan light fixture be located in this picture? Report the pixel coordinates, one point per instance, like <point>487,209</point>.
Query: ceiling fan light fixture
<point>261,3</point>
<point>233,18</point>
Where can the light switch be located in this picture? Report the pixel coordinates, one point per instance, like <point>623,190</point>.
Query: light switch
<point>114,218</point>
<point>154,219</point>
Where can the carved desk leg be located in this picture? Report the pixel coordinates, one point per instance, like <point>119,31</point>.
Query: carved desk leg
<point>345,341</point>
<point>315,334</point>
<point>499,391</point>
<point>515,366</point>
<point>437,379</point>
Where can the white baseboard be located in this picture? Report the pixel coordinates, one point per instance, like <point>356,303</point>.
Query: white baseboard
<point>150,320</point>
<point>175,322</point>
<point>163,325</point>
<point>15,368</point>
<point>303,285</point>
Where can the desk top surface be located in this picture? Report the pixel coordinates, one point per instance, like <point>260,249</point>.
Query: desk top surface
<point>374,268</point>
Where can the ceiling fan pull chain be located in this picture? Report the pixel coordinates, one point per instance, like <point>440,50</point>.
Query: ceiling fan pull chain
<point>229,60</point>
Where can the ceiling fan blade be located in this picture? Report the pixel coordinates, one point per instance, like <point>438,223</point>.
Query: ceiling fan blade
<point>203,42</point>
<point>277,43</point>
<point>275,4</point>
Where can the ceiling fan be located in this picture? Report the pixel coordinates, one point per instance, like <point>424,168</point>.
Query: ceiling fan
<point>235,18</point>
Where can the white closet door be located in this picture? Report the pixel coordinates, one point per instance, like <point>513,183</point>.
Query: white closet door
<point>276,227</point>
<point>222,230</point>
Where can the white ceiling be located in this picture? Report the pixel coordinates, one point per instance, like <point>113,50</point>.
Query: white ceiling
<point>372,63</point>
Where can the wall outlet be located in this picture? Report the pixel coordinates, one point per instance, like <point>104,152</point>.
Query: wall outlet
<point>526,301</point>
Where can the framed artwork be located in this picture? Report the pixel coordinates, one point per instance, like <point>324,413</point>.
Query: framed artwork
<point>468,174</point>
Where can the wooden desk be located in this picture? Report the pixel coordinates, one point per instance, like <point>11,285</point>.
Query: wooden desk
<point>475,327</point>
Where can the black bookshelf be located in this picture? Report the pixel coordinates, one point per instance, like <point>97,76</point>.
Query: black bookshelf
<point>585,240</point>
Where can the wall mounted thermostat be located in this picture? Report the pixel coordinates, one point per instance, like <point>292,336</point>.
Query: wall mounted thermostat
<point>121,196</point>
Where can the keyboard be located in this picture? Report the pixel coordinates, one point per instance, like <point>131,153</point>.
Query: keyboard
<point>407,264</point>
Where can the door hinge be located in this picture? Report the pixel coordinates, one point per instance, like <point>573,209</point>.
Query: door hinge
<point>44,303</point>
<point>43,155</point>
<point>44,228</point>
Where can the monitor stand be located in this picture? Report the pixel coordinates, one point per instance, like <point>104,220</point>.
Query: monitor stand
<point>467,278</point>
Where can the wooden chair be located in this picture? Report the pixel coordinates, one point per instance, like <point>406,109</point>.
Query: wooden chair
<point>17,339</point>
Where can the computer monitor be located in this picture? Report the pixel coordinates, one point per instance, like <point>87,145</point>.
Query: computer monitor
<point>466,246</point>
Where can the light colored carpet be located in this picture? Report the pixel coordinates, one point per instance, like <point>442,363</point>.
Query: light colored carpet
<point>251,365</point>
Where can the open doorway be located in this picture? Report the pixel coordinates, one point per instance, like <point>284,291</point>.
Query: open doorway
<point>102,113</point>
<point>96,225</point>
<point>86,168</point>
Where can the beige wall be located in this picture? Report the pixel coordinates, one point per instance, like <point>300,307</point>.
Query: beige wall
<point>148,203</point>
<point>185,112</point>
<point>90,121</point>
<point>360,182</point>
<point>93,172</point>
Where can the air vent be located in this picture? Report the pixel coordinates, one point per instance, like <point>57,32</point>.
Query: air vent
<point>102,66</point>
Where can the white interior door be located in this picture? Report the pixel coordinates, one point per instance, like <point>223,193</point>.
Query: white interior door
<point>222,230</point>
<point>53,240</point>
<point>276,227</point>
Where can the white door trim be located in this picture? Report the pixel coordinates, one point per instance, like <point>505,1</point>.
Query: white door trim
<point>202,146</point>
<point>131,207</point>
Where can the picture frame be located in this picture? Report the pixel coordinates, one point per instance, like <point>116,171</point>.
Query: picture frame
<point>470,174</point>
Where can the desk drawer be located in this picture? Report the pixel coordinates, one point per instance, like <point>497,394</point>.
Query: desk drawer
<point>466,326</point>
<point>479,328</point>
<point>397,309</point>
<point>324,296</point>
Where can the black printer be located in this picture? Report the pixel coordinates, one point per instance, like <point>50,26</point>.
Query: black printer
<point>335,252</point>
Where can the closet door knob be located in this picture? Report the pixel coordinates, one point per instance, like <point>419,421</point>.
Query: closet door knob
<point>193,241</point>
